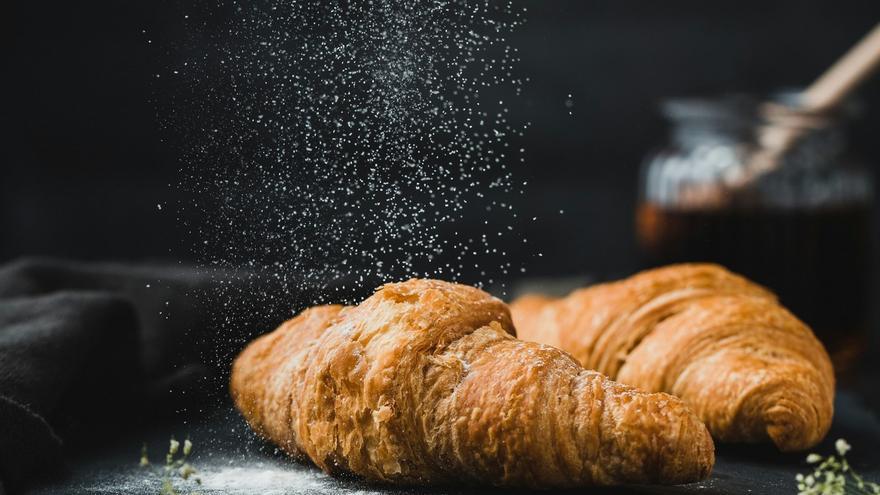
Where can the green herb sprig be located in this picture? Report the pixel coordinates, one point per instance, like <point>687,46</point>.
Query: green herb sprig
<point>174,465</point>
<point>834,476</point>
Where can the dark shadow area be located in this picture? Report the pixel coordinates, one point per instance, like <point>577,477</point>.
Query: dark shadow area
<point>86,165</point>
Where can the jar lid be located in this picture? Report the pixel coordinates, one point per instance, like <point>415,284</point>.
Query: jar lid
<point>742,110</point>
<point>732,108</point>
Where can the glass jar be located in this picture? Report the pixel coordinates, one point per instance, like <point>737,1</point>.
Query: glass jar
<point>772,195</point>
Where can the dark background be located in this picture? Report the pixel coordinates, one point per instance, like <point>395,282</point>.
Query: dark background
<point>84,163</point>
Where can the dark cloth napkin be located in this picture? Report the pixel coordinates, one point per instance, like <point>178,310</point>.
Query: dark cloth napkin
<point>88,348</point>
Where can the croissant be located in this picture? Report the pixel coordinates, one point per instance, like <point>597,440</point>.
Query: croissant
<point>748,368</point>
<point>424,383</point>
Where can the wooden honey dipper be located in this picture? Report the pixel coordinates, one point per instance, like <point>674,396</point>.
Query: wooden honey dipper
<point>826,93</point>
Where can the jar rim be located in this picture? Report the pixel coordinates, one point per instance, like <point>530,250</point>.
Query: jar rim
<point>730,108</point>
<point>745,110</point>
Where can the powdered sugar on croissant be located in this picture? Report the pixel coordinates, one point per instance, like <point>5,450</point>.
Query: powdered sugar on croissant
<point>424,383</point>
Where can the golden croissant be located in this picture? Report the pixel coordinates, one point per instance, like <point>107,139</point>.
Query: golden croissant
<point>423,383</point>
<point>748,367</point>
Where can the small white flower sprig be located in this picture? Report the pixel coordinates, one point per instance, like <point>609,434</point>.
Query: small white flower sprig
<point>834,476</point>
<point>180,465</point>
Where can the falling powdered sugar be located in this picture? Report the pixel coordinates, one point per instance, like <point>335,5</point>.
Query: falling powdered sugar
<point>346,144</point>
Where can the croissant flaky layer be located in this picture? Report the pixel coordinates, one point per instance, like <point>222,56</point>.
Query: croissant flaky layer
<point>424,383</point>
<point>748,367</point>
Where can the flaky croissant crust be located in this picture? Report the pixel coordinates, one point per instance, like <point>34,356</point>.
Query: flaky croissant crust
<point>424,383</point>
<point>749,368</point>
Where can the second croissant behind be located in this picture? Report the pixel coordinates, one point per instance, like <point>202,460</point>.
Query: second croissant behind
<point>749,368</point>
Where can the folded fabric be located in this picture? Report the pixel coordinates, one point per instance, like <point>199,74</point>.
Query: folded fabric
<point>56,353</point>
<point>86,345</point>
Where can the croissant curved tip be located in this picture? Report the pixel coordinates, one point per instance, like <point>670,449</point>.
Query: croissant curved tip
<point>691,456</point>
<point>681,447</point>
<point>791,407</point>
<point>794,431</point>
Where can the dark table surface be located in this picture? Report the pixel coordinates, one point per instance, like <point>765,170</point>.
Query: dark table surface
<point>231,460</point>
